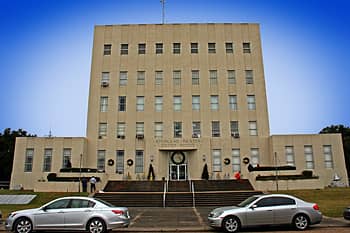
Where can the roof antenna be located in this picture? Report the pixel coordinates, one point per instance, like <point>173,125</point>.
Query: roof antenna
<point>163,10</point>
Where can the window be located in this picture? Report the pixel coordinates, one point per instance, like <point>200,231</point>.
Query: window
<point>159,48</point>
<point>216,155</point>
<point>234,129</point>
<point>177,77</point>
<point>251,102</point>
<point>213,75</point>
<point>140,126</point>
<point>196,129</point>
<point>119,162</point>
<point>122,104</point>
<point>67,156</point>
<point>177,103</point>
<point>107,49</point>
<point>195,77</point>
<point>142,48</point>
<point>121,130</point>
<point>229,47</point>
<point>254,156</point>
<point>159,77</point>
<point>78,203</point>
<point>249,77</point>
<point>140,78</point>
<point>102,129</point>
<point>309,158</point>
<point>28,162</point>
<point>105,79</point>
<point>47,160</point>
<point>139,161</point>
<point>101,158</point>
<point>211,48</point>
<point>215,128</point>
<point>124,49</point>
<point>236,160</point>
<point>103,103</point>
<point>233,102</point>
<point>196,102</point>
<point>231,77</point>
<point>158,129</point>
<point>214,102</point>
<point>246,47</point>
<point>60,204</point>
<point>289,152</point>
<point>177,129</point>
<point>176,48</point>
<point>123,78</point>
<point>140,103</point>
<point>328,157</point>
<point>158,103</point>
<point>194,47</point>
<point>253,129</point>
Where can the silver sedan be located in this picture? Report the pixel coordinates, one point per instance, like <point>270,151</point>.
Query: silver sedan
<point>70,214</point>
<point>272,209</point>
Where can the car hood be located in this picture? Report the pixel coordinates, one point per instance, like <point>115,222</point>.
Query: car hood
<point>26,211</point>
<point>225,208</point>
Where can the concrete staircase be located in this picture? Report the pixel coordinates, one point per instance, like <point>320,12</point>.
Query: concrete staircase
<point>178,194</point>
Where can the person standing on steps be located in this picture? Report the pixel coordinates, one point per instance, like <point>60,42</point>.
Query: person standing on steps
<point>93,184</point>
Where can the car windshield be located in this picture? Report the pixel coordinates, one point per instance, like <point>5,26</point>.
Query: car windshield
<point>104,202</point>
<point>247,201</point>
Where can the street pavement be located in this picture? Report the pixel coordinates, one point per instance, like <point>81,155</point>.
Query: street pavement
<point>188,219</point>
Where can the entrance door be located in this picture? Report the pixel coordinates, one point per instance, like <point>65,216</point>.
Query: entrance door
<point>178,171</point>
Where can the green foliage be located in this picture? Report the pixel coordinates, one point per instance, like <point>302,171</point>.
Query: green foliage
<point>7,150</point>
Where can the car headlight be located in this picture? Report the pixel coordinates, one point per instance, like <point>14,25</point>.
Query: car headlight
<point>216,214</point>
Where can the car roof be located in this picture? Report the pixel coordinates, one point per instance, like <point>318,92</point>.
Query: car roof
<point>276,195</point>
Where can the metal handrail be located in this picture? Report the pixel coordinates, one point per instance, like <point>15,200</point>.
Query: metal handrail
<point>193,197</point>
<point>164,192</point>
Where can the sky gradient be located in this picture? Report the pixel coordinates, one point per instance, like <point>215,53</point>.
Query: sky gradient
<point>46,46</point>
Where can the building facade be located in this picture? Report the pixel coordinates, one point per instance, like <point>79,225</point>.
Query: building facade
<point>167,99</point>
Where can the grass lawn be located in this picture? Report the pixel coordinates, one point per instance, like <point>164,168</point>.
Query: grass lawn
<point>38,201</point>
<point>331,201</point>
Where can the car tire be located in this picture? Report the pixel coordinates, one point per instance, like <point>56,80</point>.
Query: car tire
<point>96,225</point>
<point>23,225</point>
<point>231,224</point>
<point>301,222</point>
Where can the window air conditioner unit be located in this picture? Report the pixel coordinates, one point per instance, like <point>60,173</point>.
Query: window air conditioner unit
<point>100,137</point>
<point>121,136</point>
<point>195,135</point>
<point>235,135</point>
<point>139,136</point>
<point>104,83</point>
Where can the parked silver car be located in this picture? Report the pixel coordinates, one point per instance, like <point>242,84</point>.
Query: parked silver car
<point>346,213</point>
<point>272,209</point>
<point>70,214</point>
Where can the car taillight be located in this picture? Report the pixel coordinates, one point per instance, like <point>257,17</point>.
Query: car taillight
<point>315,206</point>
<point>118,212</point>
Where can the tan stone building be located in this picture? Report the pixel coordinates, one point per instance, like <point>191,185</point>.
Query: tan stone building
<point>177,97</point>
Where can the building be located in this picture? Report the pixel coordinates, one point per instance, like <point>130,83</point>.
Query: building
<point>177,97</point>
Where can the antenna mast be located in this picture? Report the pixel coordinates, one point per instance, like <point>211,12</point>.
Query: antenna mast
<point>163,10</point>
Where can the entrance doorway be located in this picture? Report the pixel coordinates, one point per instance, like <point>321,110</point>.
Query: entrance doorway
<point>178,172</point>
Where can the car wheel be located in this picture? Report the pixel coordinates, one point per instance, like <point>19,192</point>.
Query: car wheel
<point>231,224</point>
<point>96,225</point>
<point>23,225</point>
<point>301,222</point>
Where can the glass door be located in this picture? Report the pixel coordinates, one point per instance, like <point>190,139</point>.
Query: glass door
<point>178,171</point>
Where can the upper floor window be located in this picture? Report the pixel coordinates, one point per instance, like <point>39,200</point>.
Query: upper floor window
<point>102,129</point>
<point>103,103</point>
<point>158,103</point>
<point>140,128</point>
<point>236,160</point>
<point>124,49</point>
<point>176,48</point>
<point>234,129</point>
<point>328,157</point>
<point>177,129</point>
<point>142,48</point>
<point>159,77</point>
<point>249,77</point>
<point>121,130</point>
<point>194,47</point>
<point>107,49</point>
<point>215,128</point>
<point>232,102</point>
<point>196,102</point>
<point>229,47</point>
<point>140,103</point>
<point>140,78</point>
<point>67,158</point>
<point>47,160</point>
<point>213,75</point>
<point>289,152</point>
<point>254,156</point>
<point>123,78</point>
<point>253,128</point>
<point>159,48</point>
<point>214,102</point>
<point>122,104</point>
<point>231,76</point>
<point>105,79</point>
<point>196,129</point>
<point>251,102</point>
<point>101,160</point>
<point>177,77</point>
<point>195,77</point>
<point>216,155</point>
<point>28,161</point>
<point>177,103</point>
<point>309,157</point>
<point>211,48</point>
<point>246,47</point>
<point>158,129</point>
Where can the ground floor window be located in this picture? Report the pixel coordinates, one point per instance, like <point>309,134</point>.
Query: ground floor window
<point>119,162</point>
<point>139,161</point>
<point>67,154</point>
<point>254,156</point>
<point>309,158</point>
<point>47,160</point>
<point>289,151</point>
<point>328,157</point>
<point>236,160</point>
<point>28,162</point>
<point>216,158</point>
<point>101,157</point>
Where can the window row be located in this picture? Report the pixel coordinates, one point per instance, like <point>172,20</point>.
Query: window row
<point>177,77</point>
<point>196,132</point>
<point>194,48</point>
<point>177,103</point>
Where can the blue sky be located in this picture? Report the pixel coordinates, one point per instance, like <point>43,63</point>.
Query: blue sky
<point>45,57</point>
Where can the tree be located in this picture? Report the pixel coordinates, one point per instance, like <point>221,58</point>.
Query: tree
<point>7,150</point>
<point>345,134</point>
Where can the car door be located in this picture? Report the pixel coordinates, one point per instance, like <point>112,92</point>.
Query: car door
<point>51,216</point>
<point>260,212</point>
<point>284,210</point>
<point>78,213</point>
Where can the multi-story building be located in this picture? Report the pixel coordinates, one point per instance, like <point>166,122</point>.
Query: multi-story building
<point>175,97</point>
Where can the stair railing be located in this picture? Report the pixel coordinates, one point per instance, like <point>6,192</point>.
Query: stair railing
<point>193,197</point>
<point>164,192</point>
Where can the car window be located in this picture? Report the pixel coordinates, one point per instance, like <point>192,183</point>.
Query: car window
<point>283,201</point>
<point>247,201</point>
<point>79,203</point>
<point>60,204</point>
<point>268,201</point>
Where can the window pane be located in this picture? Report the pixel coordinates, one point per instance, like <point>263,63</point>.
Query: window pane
<point>176,48</point>
<point>140,77</point>
<point>158,103</point>
<point>119,165</point>
<point>213,74</point>
<point>211,48</point>
<point>194,47</point>
<point>236,160</point>
<point>140,103</point>
<point>231,76</point>
<point>177,77</point>
<point>159,48</point>
<point>122,103</point>
<point>47,160</point>
<point>121,130</point>
<point>139,161</point>
<point>123,78</point>
<point>101,157</point>
<point>246,47</point>
<point>177,129</point>
<point>215,127</point>
<point>249,77</point>
<point>216,156</point>
<point>177,103</point>
<point>196,102</point>
<point>107,49</point>
<point>195,77</point>
<point>28,163</point>
<point>214,102</point>
<point>102,129</point>
<point>124,49</point>
<point>229,47</point>
<point>66,161</point>
<point>251,102</point>
<point>253,130</point>
<point>103,103</point>
<point>159,77</point>
<point>254,156</point>
<point>233,102</point>
<point>142,48</point>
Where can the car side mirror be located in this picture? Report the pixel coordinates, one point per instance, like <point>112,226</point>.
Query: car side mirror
<point>253,207</point>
